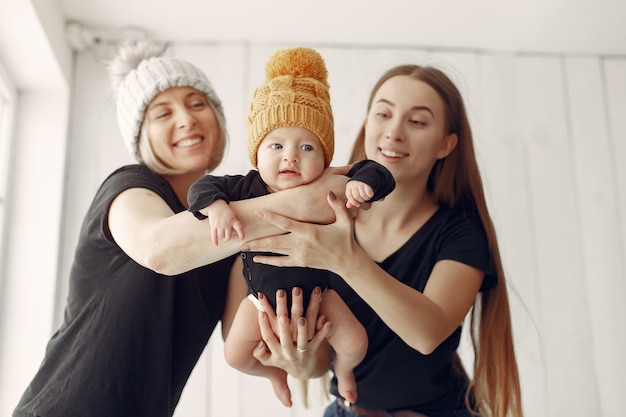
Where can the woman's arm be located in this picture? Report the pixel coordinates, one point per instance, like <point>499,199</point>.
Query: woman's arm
<point>148,231</point>
<point>422,320</point>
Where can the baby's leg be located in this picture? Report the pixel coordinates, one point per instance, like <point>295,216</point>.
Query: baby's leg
<point>243,337</point>
<point>348,339</point>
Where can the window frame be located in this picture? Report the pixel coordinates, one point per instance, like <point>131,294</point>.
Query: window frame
<point>8,99</point>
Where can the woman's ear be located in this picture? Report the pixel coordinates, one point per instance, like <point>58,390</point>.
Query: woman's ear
<point>448,145</point>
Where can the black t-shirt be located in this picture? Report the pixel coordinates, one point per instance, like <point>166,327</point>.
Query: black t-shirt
<point>394,376</point>
<point>130,336</point>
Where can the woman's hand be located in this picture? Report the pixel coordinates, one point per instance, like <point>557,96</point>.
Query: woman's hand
<point>307,202</point>
<point>305,327</point>
<point>309,245</point>
<point>297,345</point>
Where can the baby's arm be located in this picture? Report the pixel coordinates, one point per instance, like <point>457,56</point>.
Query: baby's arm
<point>357,192</point>
<point>223,221</point>
<point>373,182</point>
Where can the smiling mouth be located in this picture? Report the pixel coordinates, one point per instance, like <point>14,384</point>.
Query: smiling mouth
<point>392,154</point>
<point>187,143</point>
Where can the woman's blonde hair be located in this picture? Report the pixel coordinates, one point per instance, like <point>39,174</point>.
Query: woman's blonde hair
<point>455,181</point>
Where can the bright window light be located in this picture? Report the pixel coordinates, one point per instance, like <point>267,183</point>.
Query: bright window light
<point>7,105</point>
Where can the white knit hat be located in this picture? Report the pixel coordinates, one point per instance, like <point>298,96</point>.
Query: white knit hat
<point>139,74</point>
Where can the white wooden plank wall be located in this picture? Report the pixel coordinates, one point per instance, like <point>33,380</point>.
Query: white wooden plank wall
<point>550,136</point>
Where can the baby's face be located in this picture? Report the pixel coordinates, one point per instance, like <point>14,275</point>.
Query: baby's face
<point>290,156</point>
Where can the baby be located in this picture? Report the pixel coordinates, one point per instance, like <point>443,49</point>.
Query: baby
<point>290,142</point>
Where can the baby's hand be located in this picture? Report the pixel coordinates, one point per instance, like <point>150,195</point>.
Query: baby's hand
<point>223,222</point>
<point>357,192</point>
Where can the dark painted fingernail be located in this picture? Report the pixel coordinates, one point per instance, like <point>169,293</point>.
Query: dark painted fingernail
<point>332,196</point>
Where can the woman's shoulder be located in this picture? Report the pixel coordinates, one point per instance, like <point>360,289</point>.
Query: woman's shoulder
<point>134,176</point>
<point>455,226</point>
<point>132,170</point>
<point>462,237</point>
<point>457,216</point>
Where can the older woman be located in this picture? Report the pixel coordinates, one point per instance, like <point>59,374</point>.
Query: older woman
<point>131,335</point>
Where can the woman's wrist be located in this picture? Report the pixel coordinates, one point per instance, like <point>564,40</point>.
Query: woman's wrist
<point>322,361</point>
<point>314,365</point>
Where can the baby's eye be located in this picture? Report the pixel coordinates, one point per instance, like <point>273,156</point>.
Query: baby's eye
<point>307,148</point>
<point>276,146</point>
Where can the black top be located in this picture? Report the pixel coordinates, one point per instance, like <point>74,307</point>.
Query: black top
<point>130,336</point>
<point>394,376</point>
<point>267,278</point>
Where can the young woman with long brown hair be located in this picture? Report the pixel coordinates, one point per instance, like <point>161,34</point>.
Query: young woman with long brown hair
<point>414,265</point>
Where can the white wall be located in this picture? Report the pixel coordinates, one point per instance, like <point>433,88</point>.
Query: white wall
<point>551,140</point>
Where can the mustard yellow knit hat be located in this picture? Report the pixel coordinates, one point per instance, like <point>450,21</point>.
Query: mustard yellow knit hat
<point>295,93</point>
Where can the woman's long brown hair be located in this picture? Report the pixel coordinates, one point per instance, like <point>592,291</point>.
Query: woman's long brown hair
<point>455,181</point>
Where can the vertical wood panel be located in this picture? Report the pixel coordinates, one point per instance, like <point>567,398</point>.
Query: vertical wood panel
<point>615,86</point>
<point>597,207</point>
<point>615,93</point>
<point>501,150</point>
<point>558,250</point>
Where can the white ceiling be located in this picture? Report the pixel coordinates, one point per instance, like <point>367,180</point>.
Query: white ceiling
<point>34,53</point>
<point>570,26</point>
